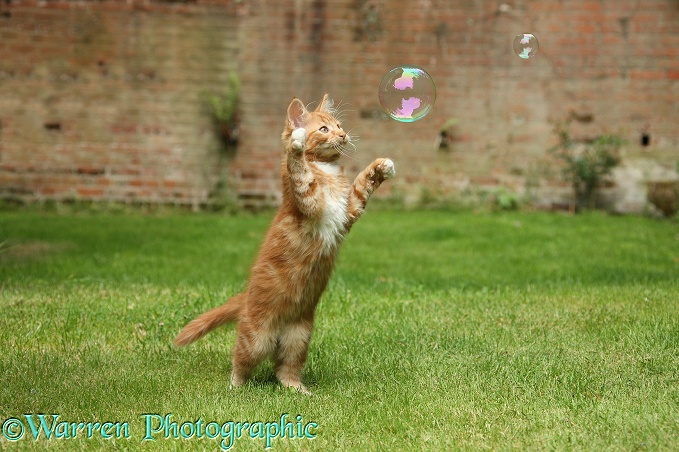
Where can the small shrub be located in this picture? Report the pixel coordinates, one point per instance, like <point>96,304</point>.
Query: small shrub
<point>224,110</point>
<point>506,200</point>
<point>587,164</point>
<point>664,195</point>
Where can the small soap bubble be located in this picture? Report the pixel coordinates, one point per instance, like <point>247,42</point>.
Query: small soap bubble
<point>526,45</point>
<point>407,93</point>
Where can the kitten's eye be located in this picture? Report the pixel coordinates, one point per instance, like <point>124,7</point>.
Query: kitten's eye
<point>324,129</point>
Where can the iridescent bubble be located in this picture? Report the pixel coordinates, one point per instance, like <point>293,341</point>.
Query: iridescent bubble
<point>407,93</point>
<point>526,45</point>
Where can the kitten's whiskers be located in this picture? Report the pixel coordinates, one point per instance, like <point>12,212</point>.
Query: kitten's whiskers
<point>340,148</point>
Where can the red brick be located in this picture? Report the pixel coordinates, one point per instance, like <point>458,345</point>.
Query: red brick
<point>647,75</point>
<point>90,192</point>
<point>92,170</point>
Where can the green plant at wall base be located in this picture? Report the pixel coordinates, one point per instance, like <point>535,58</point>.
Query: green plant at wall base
<point>587,164</point>
<point>224,110</point>
<point>506,199</point>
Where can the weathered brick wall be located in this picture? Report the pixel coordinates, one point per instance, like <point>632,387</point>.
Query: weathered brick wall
<point>102,99</point>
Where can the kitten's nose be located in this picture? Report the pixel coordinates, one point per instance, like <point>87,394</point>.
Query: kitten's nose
<point>343,136</point>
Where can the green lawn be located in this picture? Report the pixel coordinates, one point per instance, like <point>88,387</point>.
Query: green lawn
<point>440,330</point>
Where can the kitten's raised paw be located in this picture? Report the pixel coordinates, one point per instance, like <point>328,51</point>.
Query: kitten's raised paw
<point>298,138</point>
<point>386,167</point>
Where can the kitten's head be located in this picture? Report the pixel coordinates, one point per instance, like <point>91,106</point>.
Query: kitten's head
<point>326,140</point>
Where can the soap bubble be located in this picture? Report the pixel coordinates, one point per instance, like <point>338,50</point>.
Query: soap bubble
<point>407,93</point>
<point>526,45</point>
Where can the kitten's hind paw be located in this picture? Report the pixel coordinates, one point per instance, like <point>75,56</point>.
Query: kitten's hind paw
<point>300,388</point>
<point>298,138</point>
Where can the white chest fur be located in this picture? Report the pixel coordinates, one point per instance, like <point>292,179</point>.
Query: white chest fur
<point>331,224</point>
<point>332,169</point>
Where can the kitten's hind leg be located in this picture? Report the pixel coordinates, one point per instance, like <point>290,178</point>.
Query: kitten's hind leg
<point>251,348</point>
<point>291,353</point>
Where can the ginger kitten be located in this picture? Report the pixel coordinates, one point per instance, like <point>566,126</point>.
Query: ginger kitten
<point>275,313</point>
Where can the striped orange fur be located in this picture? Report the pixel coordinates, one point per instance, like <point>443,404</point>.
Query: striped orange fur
<point>275,313</point>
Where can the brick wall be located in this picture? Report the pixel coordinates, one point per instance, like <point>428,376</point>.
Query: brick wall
<point>101,100</point>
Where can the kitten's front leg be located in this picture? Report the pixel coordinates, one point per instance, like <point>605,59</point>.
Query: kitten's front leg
<point>304,186</point>
<point>298,140</point>
<point>365,184</point>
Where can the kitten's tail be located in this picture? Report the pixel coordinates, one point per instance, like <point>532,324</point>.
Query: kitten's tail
<point>208,321</point>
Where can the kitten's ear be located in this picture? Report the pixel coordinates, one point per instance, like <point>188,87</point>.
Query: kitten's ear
<point>325,105</point>
<point>297,114</point>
